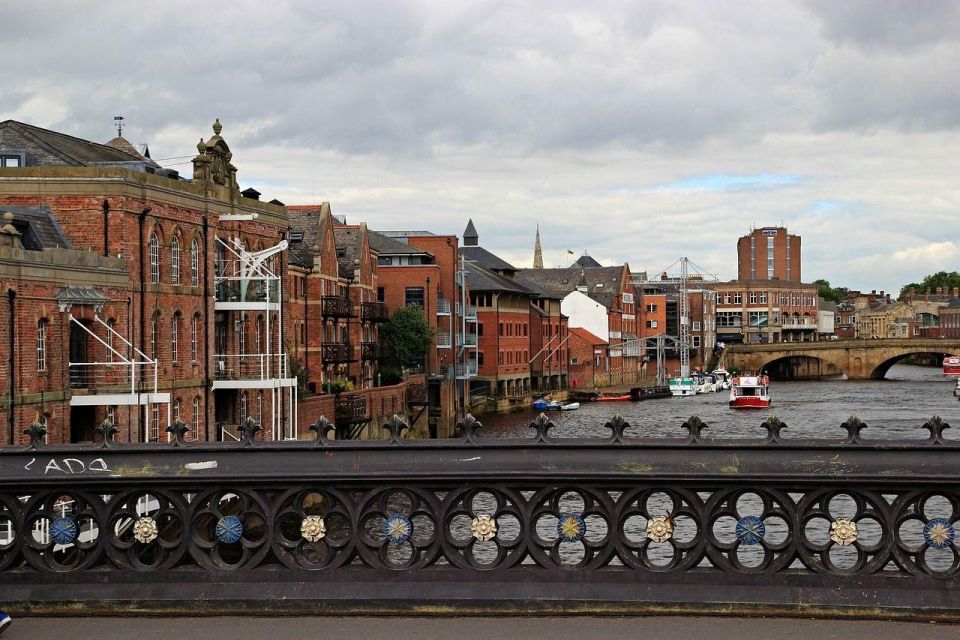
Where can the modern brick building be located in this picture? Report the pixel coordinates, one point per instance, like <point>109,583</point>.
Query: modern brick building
<point>769,253</point>
<point>766,311</point>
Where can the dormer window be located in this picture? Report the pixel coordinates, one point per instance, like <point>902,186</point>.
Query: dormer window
<point>11,160</point>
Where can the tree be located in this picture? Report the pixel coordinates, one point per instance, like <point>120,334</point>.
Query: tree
<point>947,280</point>
<point>408,335</point>
<point>825,291</point>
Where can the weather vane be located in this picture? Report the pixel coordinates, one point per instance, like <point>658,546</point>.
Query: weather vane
<point>119,121</point>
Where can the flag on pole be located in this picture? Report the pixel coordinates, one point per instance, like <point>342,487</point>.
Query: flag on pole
<point>569,252</point>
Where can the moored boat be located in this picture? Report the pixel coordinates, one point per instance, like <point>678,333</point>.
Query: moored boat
<point>951,365</point>
<point>618,398</point>
<point>541,404</point>
<point>573,406</point>
<point>722,377</point>
<point>750,391</point>
<point>956,389</point>
<point>682,387</point>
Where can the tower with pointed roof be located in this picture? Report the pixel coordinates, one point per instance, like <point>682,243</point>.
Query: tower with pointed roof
<point>537,251</point>
<point>470,236</point>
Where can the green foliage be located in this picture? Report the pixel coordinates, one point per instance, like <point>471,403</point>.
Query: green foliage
<point>337,386</point>
<point>301,373</point>
<point>390,376</point>
<point>834,294</point>
<point>947,280</point>
<point>408,335</point>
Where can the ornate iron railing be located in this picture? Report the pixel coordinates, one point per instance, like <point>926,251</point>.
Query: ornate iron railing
<point>336,307</point>
<point>844,526</point>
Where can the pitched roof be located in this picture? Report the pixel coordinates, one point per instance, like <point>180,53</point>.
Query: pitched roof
<point>385,245</point>
<point>470,236</point>
<point>124,145</point>
<point>603,283</point>
<point>348,248</point>
<point>71,150</point>
<point>586,261</point>
<point>586,336</point>
<point>485,259</point>
<point>38,228</point>
<point>481,279</point>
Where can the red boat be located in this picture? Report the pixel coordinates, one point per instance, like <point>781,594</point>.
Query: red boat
<point>951,365</point>
<point>623,398</point>
<point>750,392</point>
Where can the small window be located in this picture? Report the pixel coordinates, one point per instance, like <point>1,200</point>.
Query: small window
<point>42,345</point>
<point>414,295</point>
<point>11,161</point>
<point>176,410</point>
<point>194,337</point>
<point>174,337</point>
<point>196,415</point>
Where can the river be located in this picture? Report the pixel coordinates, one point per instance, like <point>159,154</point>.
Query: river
<point>895,407</point>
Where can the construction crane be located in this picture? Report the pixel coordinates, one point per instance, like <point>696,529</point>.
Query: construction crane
<point>682,340</point>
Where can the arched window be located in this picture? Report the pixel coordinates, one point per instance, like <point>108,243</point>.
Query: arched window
<point>196,416</point>
<point>220,262</point>
<point>195,263</point>
<point>175,260</point>
<point>154,320</point>
<point>175,337</point>
<point>176,409</point>
<point>42,345</point>
<point>154,259</point>
<point>194,336</point>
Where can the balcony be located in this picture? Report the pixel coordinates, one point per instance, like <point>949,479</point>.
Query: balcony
<point>336,352</point>
<point>468,313</point>
<point>466,370</point>
<point>443,307</point>
<point>336,307</point>
<point>374,312</point>
<point>250,370</point>
<point>443,341</point>
<point>374,351</point>
<point>467,339</point>
<point>351,410</point>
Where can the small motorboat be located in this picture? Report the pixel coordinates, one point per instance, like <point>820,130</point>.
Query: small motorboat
<point>620,398</point>
<point>682,387</point>
<point>573,406</point>
<point>541,404</point>
<point>750,391</point>
<point>650,393</point>
<point>722,377</point>
<point>951,365</point>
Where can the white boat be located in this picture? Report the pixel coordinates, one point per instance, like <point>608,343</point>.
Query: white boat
<point>705,384</point>
<point>956,389</point>
<point>722,377</point>
<point>573,406</point>
<point>681,387</point>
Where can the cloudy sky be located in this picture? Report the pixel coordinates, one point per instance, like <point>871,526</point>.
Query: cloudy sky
<point>636,131</point>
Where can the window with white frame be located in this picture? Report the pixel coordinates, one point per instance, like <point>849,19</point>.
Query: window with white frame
<point>194,336</point>
<point>196,415</point>
<point>696,341</point>
<point>753,297</point>
<point>154,320</point>
<point>175,337</point>
<point>112,415</point>
<point>175,260</point>
<point>154,259</point>
<point>763,297</point>
<point>195,263</point>
<point>176,409</point>
<point>42,345</point>
<point>737,298</point>
<point>243,407</point>
<point>696,325</point>
<point>155,423</point>
<point>260,407</point>
<point>111,327</point>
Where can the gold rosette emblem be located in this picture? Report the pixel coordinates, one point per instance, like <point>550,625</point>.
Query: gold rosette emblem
<point>313,528</point>
<point>659,529</point>
<point>484,528</point>
<point>843,531</point>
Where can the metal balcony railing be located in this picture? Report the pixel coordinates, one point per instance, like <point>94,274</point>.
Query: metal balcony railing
<point>351,409</point>
<point>249,290</point>
<point>373,351</point>
<point>443,340</point>
<point>466,370</point>
<point>336,307</point>
<point>250,366</point>
<point>443,307</point>
<point>374,312</point>
<point>336,352</point>
<point>467,339</point>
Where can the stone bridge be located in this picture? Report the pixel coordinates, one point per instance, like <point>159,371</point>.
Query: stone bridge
<point>859,359</point>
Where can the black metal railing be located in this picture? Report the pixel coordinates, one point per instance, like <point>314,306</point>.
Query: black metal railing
<point>374,351</point>
<point>336,307</point>
<point>336,352</point>
<point>616,524</point>
<point>374,312</point>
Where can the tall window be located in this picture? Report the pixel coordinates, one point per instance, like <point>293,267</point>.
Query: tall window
<point>42,345</point>
<point>770,262</point>
<point>196,415</point>
<point>112,414</point>
<point>154,259</point>
<point>175,260</point>
<point>194,336</point>
<point>176,409</point>
<point>195,263</point>
<point>175,337</point>
<point>243,406</point>
<point>259,328</point>
<point>260,407</point>
<point>153,335</point>
<point>155,423</point>
<point>111,327</point>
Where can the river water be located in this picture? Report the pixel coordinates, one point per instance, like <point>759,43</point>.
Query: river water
<point>894,408</point>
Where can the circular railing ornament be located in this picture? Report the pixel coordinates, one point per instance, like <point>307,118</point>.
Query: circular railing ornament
<point>571,527</point>
<point>659,528</point>
<point>145,530</point>
<point>398,528</point>
<point>63,530</point>
<point>229,529</point>
<point>484,528</point>
<point>938,533</point>
<point>843,531</point>
<point>313,528</point>
<point>750,530</point>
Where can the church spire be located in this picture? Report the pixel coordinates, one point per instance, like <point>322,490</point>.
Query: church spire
<point>537,252</point>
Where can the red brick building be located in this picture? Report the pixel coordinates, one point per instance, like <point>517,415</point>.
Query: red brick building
<point>769,253</point>
<point>588,360</point>
<point>156,304</point>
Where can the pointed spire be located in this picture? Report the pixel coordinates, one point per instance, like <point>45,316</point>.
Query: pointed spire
<point>537,251</point>
<point>582,286</point>
<point>470,236</point>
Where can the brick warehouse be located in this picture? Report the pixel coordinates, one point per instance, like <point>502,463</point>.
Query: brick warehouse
<point>121,267</point>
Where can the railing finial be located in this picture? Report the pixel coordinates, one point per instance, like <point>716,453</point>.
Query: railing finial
<point>323,428</point>
<point>179,430</point>
<point>694,426</point>
<point>617,426</point>
<point>774,426</point>
<point>107,431</point>
<point>36,431</point>
<point>936,426</point>
<point>542,424</point>
<point>854,425</point>
<point>248,431</point>
<point>396,426</point>
<point>469,427</point>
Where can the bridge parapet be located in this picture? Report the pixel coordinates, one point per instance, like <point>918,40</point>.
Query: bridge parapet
<point>484,524</point>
